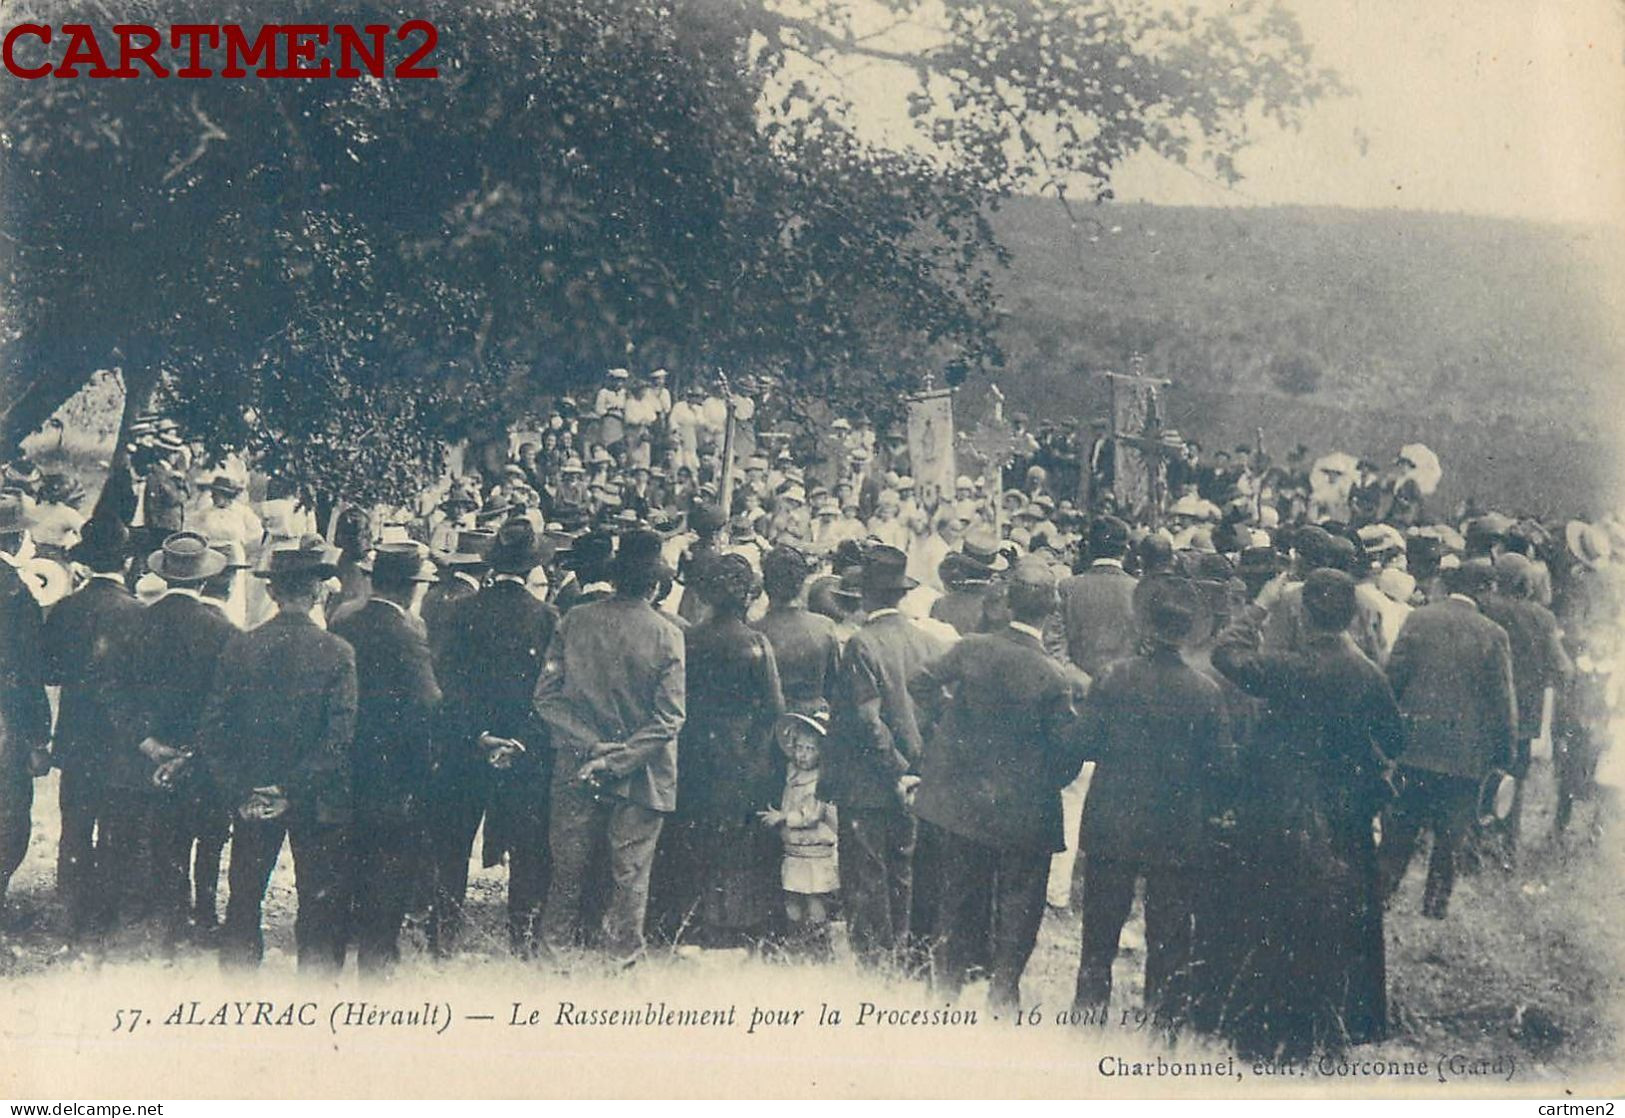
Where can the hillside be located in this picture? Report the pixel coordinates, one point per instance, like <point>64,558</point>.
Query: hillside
<point>1501,344</point>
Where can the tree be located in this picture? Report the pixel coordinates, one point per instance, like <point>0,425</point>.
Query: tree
<point>334,274</point>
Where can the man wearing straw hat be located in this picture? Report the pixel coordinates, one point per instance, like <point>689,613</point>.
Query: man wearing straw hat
<point>276,735</point>
<point>391,754</point>
<point>169,664</point>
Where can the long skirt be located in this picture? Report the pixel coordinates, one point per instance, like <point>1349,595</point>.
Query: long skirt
<point>716,883</point>
<point>1289,955</point>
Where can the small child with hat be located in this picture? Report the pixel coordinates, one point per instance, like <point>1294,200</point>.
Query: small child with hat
<point>809,874</point>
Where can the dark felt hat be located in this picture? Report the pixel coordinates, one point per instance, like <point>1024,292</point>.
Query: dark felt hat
<point>640,550</point>
<point>1328,598</point>
<point>707,518</point>
<point>516,550</point>
<point>104,543</point>
<point>310,556</point>
<point>225,483</point>
<point>886,568</point>
<point>591,550</point>
<point>395,564</point>
<point>473,545</point>
<point>1108,535</point>
<point>1172,610</point>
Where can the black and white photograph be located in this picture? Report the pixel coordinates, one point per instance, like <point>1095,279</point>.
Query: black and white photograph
<point>796,549</point>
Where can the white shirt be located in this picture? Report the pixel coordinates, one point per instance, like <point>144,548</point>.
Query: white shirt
<point>234,522</point>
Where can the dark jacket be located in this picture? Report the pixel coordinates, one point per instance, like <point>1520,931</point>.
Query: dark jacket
<point>282,712</point>
<point>1328,729</point>
<point>1005,743</point>
<point>496,643</point>
<point>168,671</point>
<point>1539,659</point>
<point>25,714</point>
<point>163,504</point>
<point>614,673</point>
<point>87,644</point>
<point>454,587</point>
<point>1287,629</point>
<point>1451,670</point>
<point>1097,607</point>
<point>962,608</point>
<point>396,702</point>
<point>1155,728</point>
<point>807,650</point>
<point>731,766</point>
<point>874,736</point>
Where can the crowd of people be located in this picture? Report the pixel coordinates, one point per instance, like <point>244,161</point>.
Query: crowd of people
<point>695,707</point>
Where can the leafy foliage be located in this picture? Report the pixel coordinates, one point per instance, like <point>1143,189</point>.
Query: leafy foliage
<point>336,274</point>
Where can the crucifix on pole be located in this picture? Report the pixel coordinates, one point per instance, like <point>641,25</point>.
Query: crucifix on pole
<point>1141,446</point>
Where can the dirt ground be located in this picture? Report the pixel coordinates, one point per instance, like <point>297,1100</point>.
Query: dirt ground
<point>1530,962</point>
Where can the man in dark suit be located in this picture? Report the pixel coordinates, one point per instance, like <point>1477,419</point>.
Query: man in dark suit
<point>612,693</point>
<point>390,756</point>
<point>1451,671</point>
<point>1155,728</point>
<point>276,735</point>
<point>168,669</point>
<point>85,638</point>
<point>873,744</point>
<point>495,762</point>
<point>1539,662</point>
<point>462,573</point>
<point>1096,604</point>
<point>25,714</point>
<point>991,780</point>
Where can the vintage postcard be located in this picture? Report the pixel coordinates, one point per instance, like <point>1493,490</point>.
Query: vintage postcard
<point>811,548</point>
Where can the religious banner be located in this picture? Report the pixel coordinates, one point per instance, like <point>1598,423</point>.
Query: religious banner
<point>931,445</point>
<point>1137,442</point>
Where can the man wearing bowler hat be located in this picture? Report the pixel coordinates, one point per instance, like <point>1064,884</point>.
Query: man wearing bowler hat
<point>495,761</point>
<point>873,745</point>
<point>391,752</point>
<point>612,694</point>
<point>990,784</point>
<point>1154,726</point>
<point>168,670</point>
<point>85,639</point>
<point>276,735</point>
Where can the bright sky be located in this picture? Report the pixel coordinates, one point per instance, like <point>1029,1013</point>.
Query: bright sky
<point>1505,107</point>
<point>1508,107</point>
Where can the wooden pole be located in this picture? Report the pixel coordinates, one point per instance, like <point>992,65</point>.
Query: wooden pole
<point>726,490</point>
